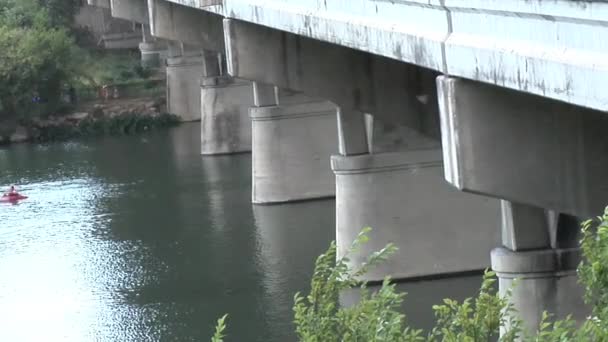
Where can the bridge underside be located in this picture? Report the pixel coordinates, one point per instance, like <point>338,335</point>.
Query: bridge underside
<point>348,98</point>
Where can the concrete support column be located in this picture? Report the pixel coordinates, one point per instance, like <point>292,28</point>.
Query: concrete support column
<point>293,137</point>
<point>404,198</point>
<point>184,72</point>
<point>354,136</point>
<point>225,102</point>
<point>549,160</point>
<point>389,178</point>
<point>542,278</point>
<point>153,51</point>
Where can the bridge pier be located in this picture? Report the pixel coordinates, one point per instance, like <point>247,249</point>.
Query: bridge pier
<point>184,71</point>
<point>546,160</point>
<point>542,277</point>
<point>293,139</point>
<point>222,100</point>
<point>393,184</point>
<point>153,51</point>
<point>225,101</point>
<point>398,190</point>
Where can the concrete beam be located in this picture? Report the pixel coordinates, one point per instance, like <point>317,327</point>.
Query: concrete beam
<point>133,10</point>
<point>524,148</point>
<point>352,79</point>
<point>548,48</point>
<point>186,24</point>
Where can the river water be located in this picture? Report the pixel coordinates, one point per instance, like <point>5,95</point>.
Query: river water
<point>142,239</point>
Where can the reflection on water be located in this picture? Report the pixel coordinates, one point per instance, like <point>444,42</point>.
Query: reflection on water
<point>142,239</point>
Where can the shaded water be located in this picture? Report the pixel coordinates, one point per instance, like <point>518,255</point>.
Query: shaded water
<point>142,239</point>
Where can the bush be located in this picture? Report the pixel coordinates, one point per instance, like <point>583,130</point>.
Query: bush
<point>38,56</point>
<point>376,318</point>
<point>118,125</point>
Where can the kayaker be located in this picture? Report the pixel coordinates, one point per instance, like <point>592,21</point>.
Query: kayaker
<point>11,192</point>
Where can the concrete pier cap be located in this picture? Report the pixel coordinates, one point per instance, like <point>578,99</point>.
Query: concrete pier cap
<point>403,198</point>
<point>225,124</point>
<point>184,74</point>
<point>292,144</point>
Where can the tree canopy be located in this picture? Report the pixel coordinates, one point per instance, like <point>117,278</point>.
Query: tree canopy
<point>38,55</point>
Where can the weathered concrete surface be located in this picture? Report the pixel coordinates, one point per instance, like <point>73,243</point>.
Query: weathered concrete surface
<point>184,87</point>
<point>176,22</point>
<point>99,3</point>
<point>153,54</point>
<point>404,198</point>
<point>353,135</point>
<point>352,79</point>
<point>545,281</point>
<point>524,148</point>
<point>225,123</point>
<point>133,10</point>
<point>126,40</point>
<point>540,255</point>
<point>106,31</point>
<point>550,48</point>
<point>292,145</point>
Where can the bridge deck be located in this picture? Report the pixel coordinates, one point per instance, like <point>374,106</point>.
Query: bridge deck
<point>552,48</point>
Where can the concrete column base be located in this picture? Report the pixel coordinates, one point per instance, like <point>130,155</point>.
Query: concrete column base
<point>153,54</point>
<point>225,123</point>
<point>545,280</point>
<point>406,201</point>
<point>184,87</point>
<point>292,147</point>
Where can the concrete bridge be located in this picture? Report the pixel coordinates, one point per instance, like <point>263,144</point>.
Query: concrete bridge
<point>106,31</point>
<point>452,127</point>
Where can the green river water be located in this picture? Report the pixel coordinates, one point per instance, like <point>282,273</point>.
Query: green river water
<point>142,239</point>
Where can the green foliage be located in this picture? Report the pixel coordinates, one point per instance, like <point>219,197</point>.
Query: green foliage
<point>38,56</point>
<point>376,317</point>
<point>118,125</point>
<point>319,317</point>
<point>477,319</point>
<point>112,68</point>
<point>219,330</point>
<point>593,270</point>
<point>60,12</point>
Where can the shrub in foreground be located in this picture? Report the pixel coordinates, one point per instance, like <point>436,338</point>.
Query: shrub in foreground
<point>376,317</point>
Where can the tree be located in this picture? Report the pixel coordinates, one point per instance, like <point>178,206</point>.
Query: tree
<point>38,56</point>
<point>60,12</point>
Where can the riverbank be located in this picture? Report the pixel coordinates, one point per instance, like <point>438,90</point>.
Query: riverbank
<point>113,117</point>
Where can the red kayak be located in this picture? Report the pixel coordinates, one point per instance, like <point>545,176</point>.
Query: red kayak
<point>12,198</point>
